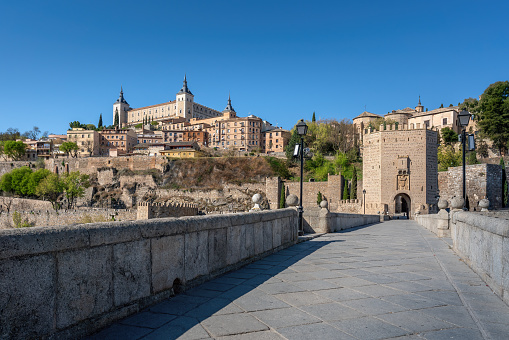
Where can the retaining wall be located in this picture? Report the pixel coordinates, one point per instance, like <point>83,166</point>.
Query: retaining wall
<point>436,223</point>
<point>483,243</point>
<point>66,282</point>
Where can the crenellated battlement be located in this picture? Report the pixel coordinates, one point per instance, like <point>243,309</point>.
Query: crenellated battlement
<point>147,210</point>
<point>398,127</point>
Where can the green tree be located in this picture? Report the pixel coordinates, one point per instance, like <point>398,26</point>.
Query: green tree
<point>314,117</point>
<point>100,124</point>
<point>69,148</point>
<point>35,178</point>
<point>50,188</point>
<point>345,191</point>
<point>353,189</point>
<point>76,124</point>
<point>441,106</point>
<point>116,121</point>
<point>20,179</point>
<point>14,150</point>
<point>319,198</point>
<point>449,136</point>
<point>91,127</point>
<point>6,182</point>
<point>74,186</point>
<point>294,139</point>
<point>448,157</point>
<point>471,158</point>
<point>282,199</point>
<point>493,114</point>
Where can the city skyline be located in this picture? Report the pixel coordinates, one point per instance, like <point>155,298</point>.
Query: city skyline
<point>279,61</point>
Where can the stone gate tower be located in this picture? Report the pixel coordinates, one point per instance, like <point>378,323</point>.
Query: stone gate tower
<point>400,169</point>
<point>185,100</point>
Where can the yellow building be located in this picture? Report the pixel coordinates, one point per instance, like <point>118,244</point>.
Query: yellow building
<point>87,141</point>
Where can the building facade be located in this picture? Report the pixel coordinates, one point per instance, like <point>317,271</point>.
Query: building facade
<point>87,141</point>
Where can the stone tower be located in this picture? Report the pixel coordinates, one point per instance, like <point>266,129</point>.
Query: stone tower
<point>185,101</point>
<point>400,172</point>
<point>121,107</point>
<point>419,107</point>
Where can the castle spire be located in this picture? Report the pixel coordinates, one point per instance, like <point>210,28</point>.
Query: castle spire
<point>419,100</point>
<point>121,96</point>
<point>184,88</point>
<point>229,107</point>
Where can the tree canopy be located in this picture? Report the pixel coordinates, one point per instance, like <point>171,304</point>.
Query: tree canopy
<point>449,136</point>
<point>14,150</point>
<point>70,148</point>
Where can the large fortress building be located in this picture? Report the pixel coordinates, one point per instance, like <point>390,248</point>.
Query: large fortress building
<point>182,107</point>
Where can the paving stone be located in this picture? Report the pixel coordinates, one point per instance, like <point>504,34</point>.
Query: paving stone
<point>332,311</point>
<point>374,306</point>
<point>377,290</point>
<point>148,320</point>
<point>447,297</point>
<point>342,294</point>
<point>455,333</point>
<point>264,335</point>
<point>220,287</point>
<point>327,274</point>
<point>369,328</point>
<point>415,321</point>
<point>121,332</point>
<point>379,278</point>
<point>181,328</point>
<point>413,301</point>
<point>286,317</point>
<point>409,286</point>
<point>221,325</point>
<point>302,298</point>
<point>293,277</point>
<point>456,315</point>
<point>280,287</point>
<point>314,331</point>
<point>351,282</point>
<point>216,306</point>
<point>255,301</point>
<point>315,285</point>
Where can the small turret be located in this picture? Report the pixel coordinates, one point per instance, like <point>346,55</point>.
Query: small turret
<point>419,107</point>
<point>184,88</point>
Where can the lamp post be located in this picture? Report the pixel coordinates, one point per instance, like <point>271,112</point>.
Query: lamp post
<point>464,118</point>
<point>364,199</point>
<point>302,129</point>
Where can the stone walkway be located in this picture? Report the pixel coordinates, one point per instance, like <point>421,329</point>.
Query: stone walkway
<point>389,280</point>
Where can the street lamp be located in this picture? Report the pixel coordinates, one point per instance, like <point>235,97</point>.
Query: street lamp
<point>302,129</point>
<point>464,118</point>
<point>364,199</point>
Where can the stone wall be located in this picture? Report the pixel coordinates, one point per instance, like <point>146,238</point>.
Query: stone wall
<point>331,190</point>
<point>11,204</point>
<point>89,165</point>
<point>66,283</point>
<point>147,211</point>
<point>9,166</point>
<point>320,220</point>
<point>351,206</point>
<point>483,243</point>
<point>64,217</point>
<point>482,180</point>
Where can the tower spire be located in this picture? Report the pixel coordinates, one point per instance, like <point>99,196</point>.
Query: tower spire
<point>419,100</point>
<point>229,107</point>
<point>184,88</point>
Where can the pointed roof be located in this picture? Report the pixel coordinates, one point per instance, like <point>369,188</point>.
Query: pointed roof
<point>184,88</point>
<point>229,107</point>
<point>121,97</point>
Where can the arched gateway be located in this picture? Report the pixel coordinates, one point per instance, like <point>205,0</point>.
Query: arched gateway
<point>402,204</point>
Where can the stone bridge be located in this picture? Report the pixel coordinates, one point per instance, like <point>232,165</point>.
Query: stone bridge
<point>246,278</point>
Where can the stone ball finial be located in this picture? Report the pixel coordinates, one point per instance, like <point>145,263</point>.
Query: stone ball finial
<point>257,198</point>
<point>457,202</point>
<point>292,200</point>
<point>484,204</point>
<point>442,203</point>
<point>324,204</point>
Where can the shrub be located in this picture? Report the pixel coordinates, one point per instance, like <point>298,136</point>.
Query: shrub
<point>19,222</point>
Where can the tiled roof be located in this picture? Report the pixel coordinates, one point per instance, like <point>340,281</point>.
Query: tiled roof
<point>368,114</point>
<point>437,111</point>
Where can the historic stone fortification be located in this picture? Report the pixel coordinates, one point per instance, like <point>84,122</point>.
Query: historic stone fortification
<point>400,170</point>
<point>331,191</point>
<point>67,217</point>
<point>482,181</point>
<point>147,210</point>
<point>10,204</point>
<point>90,165</point>
<point>69,282</point>
<point>320,220</point>
<point>9,166</point>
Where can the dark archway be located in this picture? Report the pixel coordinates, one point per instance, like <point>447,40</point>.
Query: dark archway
<point>402,205</point>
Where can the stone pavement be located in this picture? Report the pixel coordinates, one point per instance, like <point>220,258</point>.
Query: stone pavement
<point>384,281</point>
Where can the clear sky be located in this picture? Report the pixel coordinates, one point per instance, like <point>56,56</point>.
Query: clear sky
<point>62,61</point>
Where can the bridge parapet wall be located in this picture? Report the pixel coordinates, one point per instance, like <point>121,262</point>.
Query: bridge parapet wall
<point>67,282</point>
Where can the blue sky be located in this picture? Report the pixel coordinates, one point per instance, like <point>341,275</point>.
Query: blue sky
<point>62,61</point>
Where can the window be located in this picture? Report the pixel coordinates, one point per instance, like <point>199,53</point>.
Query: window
<point>444,121</point>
